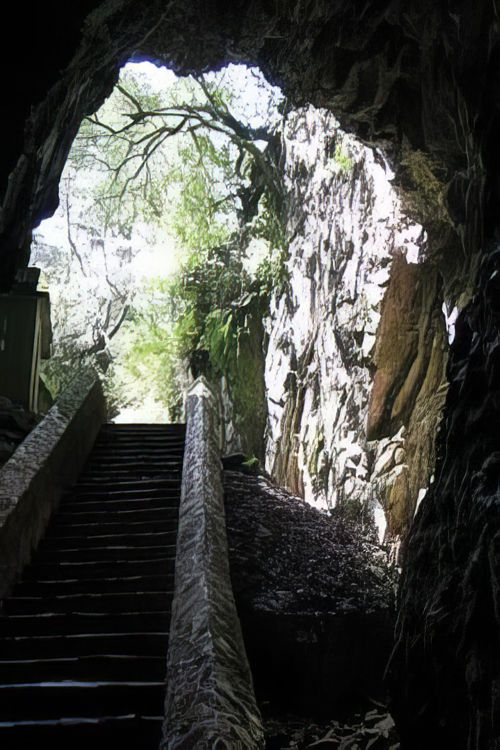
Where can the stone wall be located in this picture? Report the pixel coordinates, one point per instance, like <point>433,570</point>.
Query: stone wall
<point>357,343</point>
<point>49,460</point>
<point>445,669</point>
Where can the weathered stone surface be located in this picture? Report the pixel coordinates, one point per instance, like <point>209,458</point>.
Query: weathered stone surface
<point>49,459</point>
<point>244,407</point>
<point>409,389</point>
<point>361,298</point>
<point>445,668</point>
<point>210,700</point>
<point>315,599</point>
<point>375,729</point>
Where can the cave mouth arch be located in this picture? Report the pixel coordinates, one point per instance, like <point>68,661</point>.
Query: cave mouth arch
<point>411,78</point>
<point>365,73</point>
<point>286,471</point>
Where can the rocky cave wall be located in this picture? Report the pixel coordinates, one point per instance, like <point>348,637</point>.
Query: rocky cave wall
<point>419,79</point>
<point>355,362</point>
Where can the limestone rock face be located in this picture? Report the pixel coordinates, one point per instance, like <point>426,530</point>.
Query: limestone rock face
<point>355,336</point>
<point>446,659</point>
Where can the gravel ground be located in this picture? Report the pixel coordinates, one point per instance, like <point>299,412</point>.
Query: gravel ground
<point>374,730</point>
<point>286,556</point>
<point>287,559</point>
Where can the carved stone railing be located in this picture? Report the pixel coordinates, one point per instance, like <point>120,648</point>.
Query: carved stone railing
<point>49,459</point>
<point>210,699</point>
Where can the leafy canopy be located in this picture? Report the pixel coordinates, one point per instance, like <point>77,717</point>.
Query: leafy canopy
<point>195,165</point>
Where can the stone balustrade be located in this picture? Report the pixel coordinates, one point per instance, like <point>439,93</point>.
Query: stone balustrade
<point>47,461</point>
<point>210,700</point>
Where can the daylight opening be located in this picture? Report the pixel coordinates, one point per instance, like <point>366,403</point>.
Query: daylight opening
<point>207,227</point>
<point>170,229</point>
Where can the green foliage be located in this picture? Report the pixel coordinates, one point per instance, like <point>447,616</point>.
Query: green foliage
<point>221,336</point>
<point>342,159</point>
<point>58,371</point>
<point>252,464</point>
<point>115,393</point>
<point>202,215</point>
<point>189,161</point>
<point>183,149</point>
<point>272,272</point>
<point>209,317</point>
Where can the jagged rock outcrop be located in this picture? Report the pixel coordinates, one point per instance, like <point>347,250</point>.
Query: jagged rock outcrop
<point>357,342</point>
<point>445,663</point>
<point>408,390</point>
<point>373,730</point>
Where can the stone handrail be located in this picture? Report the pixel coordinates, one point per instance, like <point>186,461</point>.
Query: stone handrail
<point>210,699</point>
<point>49,459</point>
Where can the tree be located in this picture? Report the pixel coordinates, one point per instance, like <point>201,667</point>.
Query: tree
<point>189,166</point>
<point>187,145</point>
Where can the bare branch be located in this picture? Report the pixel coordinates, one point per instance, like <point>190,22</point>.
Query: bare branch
<point>119,323</point>
<point>72,245</point>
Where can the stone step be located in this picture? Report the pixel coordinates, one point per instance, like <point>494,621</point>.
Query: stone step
<point>122,485</point>
<point>84,636</point>
<point>151,601</point>
<point>136,449</point>
<point>101,554</point>
<point>92,667</point>
<point>123,427</point>
<point>81,733</point>
<point>125,526</point>
<point>84,623</point>
<point>94,512</point>
<point>133,441</point>
<point>132,467</point>
<point>141,438</point>
<point>115,541</point>
<point>64,570</point>
<point>99,494</point>
<point>83,644</point>
<point>53,700</point>
<point>101,585</point>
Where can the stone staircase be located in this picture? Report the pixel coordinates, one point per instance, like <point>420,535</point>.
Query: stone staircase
<point>84,634</point>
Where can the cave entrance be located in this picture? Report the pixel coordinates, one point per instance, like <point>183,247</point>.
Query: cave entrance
<point>230,202</point>
<point>422,81</point>
<point>169,236</point>
<point>294,48</point>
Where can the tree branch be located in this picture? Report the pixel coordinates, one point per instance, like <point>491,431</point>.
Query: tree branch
<point>68,233</point>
